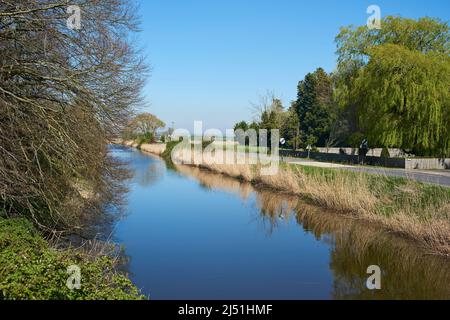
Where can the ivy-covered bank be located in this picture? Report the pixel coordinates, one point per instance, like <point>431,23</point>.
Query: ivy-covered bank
<point>31,269</point>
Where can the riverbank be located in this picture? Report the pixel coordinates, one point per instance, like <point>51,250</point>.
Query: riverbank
<point>32,269</point>
<point>409,209</point>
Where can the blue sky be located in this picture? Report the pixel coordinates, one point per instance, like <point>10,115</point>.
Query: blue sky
<point>211,58</point>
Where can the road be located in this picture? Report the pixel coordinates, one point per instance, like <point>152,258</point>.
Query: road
<point>440,177</point>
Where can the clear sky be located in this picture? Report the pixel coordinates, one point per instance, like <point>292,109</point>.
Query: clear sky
<point>211,58</point>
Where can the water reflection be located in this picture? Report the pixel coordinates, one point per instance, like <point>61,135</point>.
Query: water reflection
<point>211,181</point>
<point>408,273</point>
<point>147,174</point>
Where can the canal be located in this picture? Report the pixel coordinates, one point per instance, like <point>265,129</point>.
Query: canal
<point>193,234</point>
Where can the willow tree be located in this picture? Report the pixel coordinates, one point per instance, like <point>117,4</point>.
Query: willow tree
<point>404,98</point>
<point>423,35</point>
<point>426,39</point>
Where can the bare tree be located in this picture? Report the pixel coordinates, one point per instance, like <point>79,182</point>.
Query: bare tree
<point>63,93</point>
<point>265,104</point>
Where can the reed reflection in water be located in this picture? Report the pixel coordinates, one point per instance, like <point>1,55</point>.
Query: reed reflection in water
<point>407,272</point>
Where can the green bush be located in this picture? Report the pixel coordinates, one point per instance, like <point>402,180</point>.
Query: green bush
<point>31,269</point>
<point>385,153</point>
<point>167,154</point>
<point>145,139</point>
<point>355,139</point>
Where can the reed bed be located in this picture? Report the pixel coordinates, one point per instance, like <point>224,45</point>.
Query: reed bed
<point>409,209</point>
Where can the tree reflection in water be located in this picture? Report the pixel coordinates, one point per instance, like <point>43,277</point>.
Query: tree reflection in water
<point>148,175</point>
<point>407,271</point>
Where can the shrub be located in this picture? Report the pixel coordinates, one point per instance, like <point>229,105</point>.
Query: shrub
<point>385,153</point>
<point>31,269</point>
<point>145,139</point>
<point>167,154</point>
<point>355,139</point>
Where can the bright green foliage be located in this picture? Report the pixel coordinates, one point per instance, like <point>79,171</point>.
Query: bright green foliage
<point>424,35</point>
<point>404,99</point>
<point>149,137</point>
<point>290,129</point>
<point>314,107</point>
<point>397,80</point>
<point>30,269</point>
<point>241,125</point>
<point>167,154</point>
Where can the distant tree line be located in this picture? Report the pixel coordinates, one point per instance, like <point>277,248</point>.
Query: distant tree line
<point>391,86</point>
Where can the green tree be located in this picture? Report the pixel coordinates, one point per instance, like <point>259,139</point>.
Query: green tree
<point>244,127</point>
<point>422,38</point>
<point>423,35</point>
<point>254,125</point>
<point>404,99</point>
<point>241,125</point>
<point>290,128</point>
<point>315,108</point>
<point>270,118</point>
<point>146,123</point>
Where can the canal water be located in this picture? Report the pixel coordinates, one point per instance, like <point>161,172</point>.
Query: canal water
<point>193,234</point>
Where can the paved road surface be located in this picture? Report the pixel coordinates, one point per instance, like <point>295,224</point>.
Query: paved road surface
<point>441,177</point>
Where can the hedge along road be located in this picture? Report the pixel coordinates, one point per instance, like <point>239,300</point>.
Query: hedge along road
<point>439,177</point>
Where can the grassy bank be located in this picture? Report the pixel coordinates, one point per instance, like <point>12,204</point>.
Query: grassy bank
<point>31,269</point>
